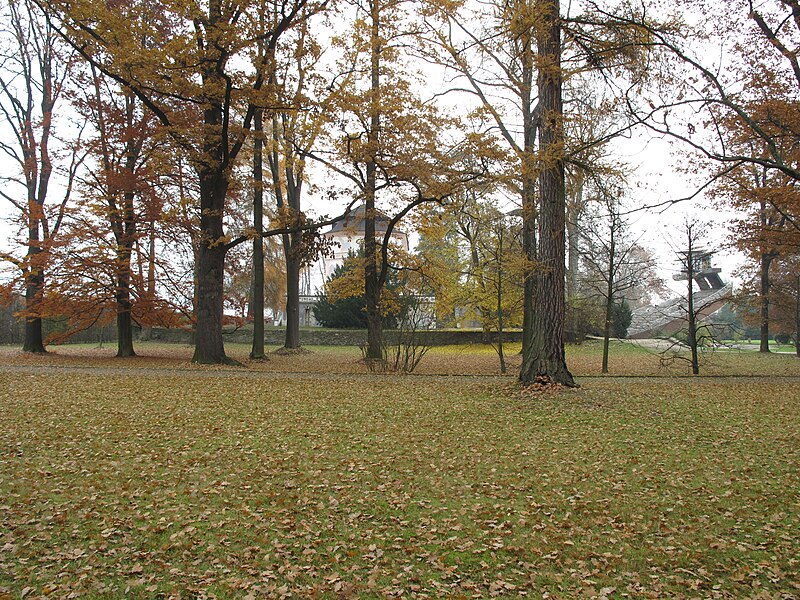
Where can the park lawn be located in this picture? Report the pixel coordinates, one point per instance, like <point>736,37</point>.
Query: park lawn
<point>626,358</point>
<point>231,484</point>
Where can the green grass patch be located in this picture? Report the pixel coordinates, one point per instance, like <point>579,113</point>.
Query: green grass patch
<point>228,484</point>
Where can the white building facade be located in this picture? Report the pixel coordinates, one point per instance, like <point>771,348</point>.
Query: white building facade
<point>347,238</point>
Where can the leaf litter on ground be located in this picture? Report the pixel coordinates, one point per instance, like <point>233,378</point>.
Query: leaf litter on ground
<point>179,485</point>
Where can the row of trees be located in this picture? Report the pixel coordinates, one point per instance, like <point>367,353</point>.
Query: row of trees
<point>169,110</point>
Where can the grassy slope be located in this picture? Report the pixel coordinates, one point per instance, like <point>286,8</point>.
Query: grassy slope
<point>180,484</point>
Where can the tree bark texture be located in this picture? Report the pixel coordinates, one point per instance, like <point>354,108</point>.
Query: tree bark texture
<point>34,339</point>
<point>372,285</point>
<point>125,334</point>
<point>124,305</point>
<point>37,171</point>
<point>124,227</point>
<point>294,259</point>
<point>289,198</point>
<point>257,302</point>
<point>34,285</point>
<point>209,346</point>
<point>292,338</point>
<point>530,208</point>
<point>543,355</point>
<point>213,177</point>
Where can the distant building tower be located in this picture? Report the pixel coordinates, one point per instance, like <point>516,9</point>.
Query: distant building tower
<point>670,316</point>
<point>705,276</point>
<point>347,236</point>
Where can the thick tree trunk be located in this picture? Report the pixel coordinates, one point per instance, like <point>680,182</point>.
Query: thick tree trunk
<point>123,298</point>
<point>34,285</point>
<point>372,285</point>
<point>530,209</point>
<point>34,290</point>
<point>543,357</point>
<point>372,290</point>
<point>212,168</point>
<point>35,55</point>
<point>209,346</point>
<point>292,339</point>
<point>294,245</point>
<point>257,301</point>
<point>34,340</point>
<point>529,221</point>
<point>124,330</point>
<point>124,227</point>
<point>292,242</point>
<point>34,274</point>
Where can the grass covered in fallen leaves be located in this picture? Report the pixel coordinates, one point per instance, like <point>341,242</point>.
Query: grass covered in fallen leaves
<point>233,484</point>
<point>626,358</point>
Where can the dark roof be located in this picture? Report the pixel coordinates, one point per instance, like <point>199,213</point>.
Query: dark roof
<point>354,222</point>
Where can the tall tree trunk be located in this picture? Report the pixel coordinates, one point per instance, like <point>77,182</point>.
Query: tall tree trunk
<point>34,261</point>
<point>612,247</point>
<point>289,198</point>
<point>529,248</point>
<point>294,191</point>
<point>530,210</point>
<point>36,181</point>
<point>209,346</point>
<point>124,328</point>
<point>212,167</point>
<point>124,305</point>
<point>500,324</point>
<point>257,301</point>
<point>543,357</point>
<point>766,261</point>
<point>34,284</point>
<point>33,54</point>
<point>372,285</point>
<point>34,339</point>
<point>292,338</point>
<point>124,227</point>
